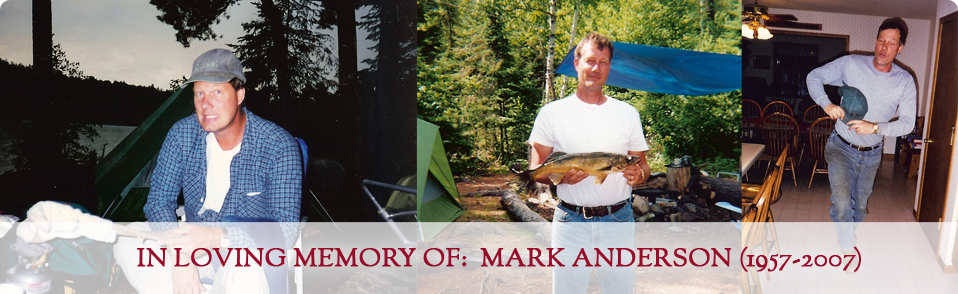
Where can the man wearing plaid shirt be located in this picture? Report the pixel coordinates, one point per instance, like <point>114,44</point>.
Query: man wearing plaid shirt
<point>229,165</point>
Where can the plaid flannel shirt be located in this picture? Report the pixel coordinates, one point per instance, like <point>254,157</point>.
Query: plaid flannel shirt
<point>265,176</point>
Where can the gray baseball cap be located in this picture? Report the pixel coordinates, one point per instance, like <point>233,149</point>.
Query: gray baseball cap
<point>216,66</point>
<point>853,103</point>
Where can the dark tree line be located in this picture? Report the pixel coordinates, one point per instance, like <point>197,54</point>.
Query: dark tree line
<point>301,77</point>
<point>46,118</point>
<point>309,82</point>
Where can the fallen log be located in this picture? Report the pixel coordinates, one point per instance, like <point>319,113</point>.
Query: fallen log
<point>485,193</point>
<point>656,181</point>
<point>720,190</point>
<point>517,208</point>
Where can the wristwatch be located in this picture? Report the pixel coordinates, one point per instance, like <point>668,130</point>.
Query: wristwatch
<point>225,240</point>
<point>875,128</point>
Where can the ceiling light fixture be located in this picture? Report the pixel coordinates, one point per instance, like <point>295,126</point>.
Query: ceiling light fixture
<point>754,28</point>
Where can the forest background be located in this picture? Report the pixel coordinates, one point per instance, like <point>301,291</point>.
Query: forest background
<point>482,75</point>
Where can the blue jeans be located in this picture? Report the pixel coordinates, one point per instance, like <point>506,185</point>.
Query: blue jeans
<point>851,174</point>
<point>572,231</point>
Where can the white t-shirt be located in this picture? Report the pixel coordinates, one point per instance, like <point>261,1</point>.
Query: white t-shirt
<point>572,126</point>
<point>217,173</point>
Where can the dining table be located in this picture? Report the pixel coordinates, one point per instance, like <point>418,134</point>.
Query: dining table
<point>750,153</point>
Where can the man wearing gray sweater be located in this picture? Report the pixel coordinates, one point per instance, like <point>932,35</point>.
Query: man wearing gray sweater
<point>854,150</point>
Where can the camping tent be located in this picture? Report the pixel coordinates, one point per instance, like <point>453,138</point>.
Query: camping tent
<point>667,70</point>
<point>122,177</point>
<point>437,194</point>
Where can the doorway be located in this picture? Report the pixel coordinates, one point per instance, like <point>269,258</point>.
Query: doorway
<point>939,139</point>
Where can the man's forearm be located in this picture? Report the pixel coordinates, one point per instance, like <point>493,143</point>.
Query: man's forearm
<point>903,126</point>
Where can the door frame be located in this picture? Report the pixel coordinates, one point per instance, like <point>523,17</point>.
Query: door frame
<point>937,246</point>
<point>929,118</point>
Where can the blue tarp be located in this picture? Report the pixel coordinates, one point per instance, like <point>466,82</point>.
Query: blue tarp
<point>668,70</point>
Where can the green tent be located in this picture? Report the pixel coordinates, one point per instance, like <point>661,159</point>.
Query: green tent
<point>437,196</point>
<point>122,176</point>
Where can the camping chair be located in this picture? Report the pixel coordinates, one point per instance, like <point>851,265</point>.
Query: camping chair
<point>401,192</point>
<point>777,106</point>
<point>779,132</point>
<point>818,135</point>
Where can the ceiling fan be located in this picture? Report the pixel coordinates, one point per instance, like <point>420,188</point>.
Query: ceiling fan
<point>756,17</point>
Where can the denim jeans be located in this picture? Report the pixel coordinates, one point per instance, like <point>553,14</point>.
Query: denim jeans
<point>572,231</point>
<point>851,174</point>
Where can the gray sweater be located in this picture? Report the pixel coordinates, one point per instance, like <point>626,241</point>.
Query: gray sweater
<point>885,92</point>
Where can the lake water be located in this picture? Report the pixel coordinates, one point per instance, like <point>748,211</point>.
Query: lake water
<point>108,137</point>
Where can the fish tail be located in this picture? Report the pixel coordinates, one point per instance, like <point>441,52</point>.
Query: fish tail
<point>524,181</point>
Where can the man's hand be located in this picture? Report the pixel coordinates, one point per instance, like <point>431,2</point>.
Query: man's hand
<point>861,127</point>
<point>571,177</point>
<point>634,175</point>
<point>835,112</point>
<point>193,237</point>
<point>638,173</point>
<point>186,280</point>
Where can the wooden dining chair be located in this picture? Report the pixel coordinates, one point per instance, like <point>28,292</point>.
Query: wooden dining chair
<point>780,132</point>
<point>751,117</point>
<point>776,194</point>
<point>818,135</point>
<point>754,233</point>
<point>758,224</point>
<point>750,192</point>
<point>814,112</point>
<point>811,114</point>
<point>777,106</point>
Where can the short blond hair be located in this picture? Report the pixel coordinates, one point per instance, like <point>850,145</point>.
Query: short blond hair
<point>597,40</point>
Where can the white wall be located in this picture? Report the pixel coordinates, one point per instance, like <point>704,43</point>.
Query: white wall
<point>862,30</point>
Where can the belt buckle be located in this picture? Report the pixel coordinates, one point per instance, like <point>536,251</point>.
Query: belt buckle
<point>862,148</point>
<point>585,215</point>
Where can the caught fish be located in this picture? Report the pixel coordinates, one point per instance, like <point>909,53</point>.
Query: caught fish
<point>597,164</point>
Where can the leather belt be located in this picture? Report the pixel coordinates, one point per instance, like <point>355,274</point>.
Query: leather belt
<point>593,211</point>
<point>860,148</point>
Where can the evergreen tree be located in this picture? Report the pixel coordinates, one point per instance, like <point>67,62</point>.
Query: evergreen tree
<point>481,63</point>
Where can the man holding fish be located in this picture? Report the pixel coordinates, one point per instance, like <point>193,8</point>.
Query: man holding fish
<point>587,135</point>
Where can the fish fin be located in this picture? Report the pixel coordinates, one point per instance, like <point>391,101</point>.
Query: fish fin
<point>553,156</point>
<point>607,167</point>
<point>524,181</point>
<point>556,178</point>
<point>600,179</point>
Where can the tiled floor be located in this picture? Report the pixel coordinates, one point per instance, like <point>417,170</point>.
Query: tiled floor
<point>895,254</point>
<point>892,200</point>
<point>895,258</point>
